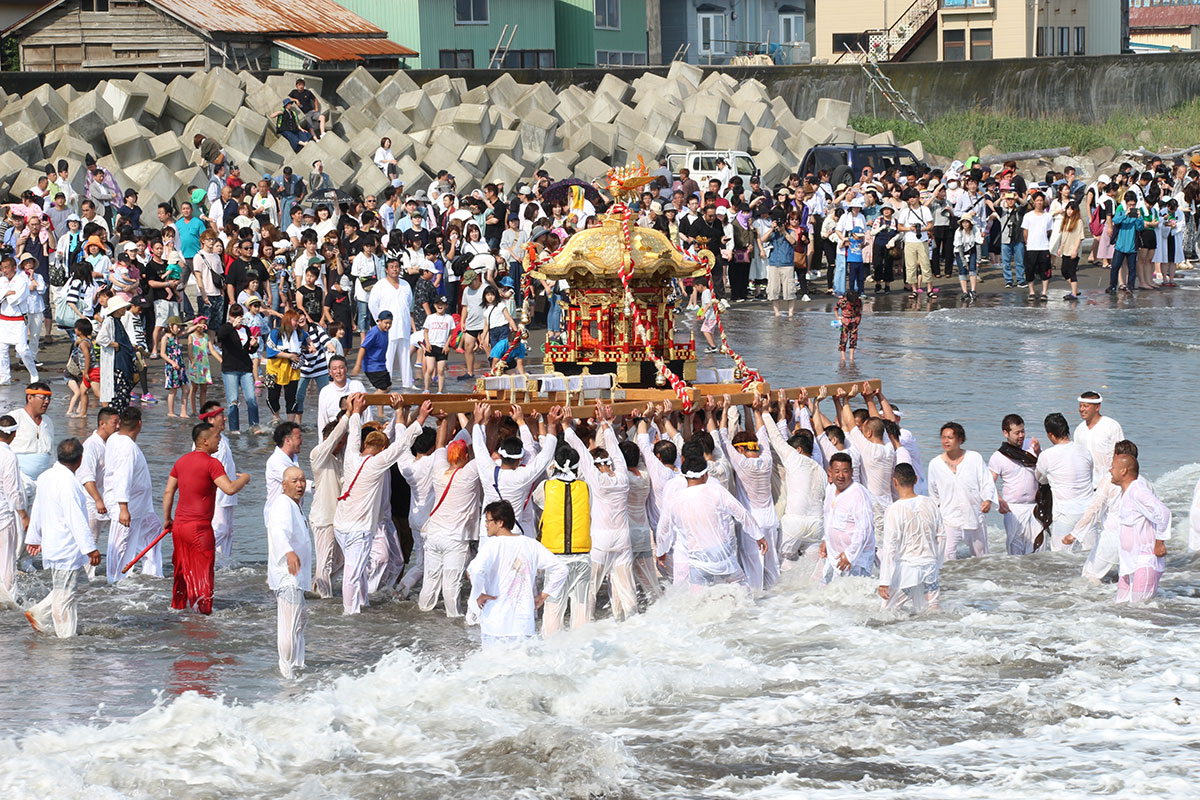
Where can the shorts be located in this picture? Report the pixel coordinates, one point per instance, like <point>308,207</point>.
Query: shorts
<point>710,322</point>
<point>163,311</point>
<point>476,333</point>
<point>1037,265</point>
<point>781,283</point>
<point>437,353</point>
<point>381,380</point>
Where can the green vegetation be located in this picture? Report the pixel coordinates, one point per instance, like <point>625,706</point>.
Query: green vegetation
<point>10,54</point>
<point>1175,129</point>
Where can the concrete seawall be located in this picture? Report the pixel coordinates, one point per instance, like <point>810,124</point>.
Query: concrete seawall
<point>1082,88</point>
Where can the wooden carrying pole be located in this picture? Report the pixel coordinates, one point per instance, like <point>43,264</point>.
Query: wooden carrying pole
<point>623,401</point>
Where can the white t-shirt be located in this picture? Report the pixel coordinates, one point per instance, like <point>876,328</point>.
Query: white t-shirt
<point>439,327</point>
<point>1039,226</point>
<point>1067,468</point>
<point>919,217</point>
<point>1018,484</point>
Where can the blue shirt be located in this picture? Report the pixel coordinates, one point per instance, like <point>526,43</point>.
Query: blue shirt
<point>1125,228</point>
<point>783,254</point>
<point>375,345</point>
<point>189,231</point>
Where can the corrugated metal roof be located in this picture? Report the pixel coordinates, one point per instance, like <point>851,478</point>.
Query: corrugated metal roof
<point>330,49</point>
<point>268,16</point>
<point>280,17</point>
<point>1164,16</point>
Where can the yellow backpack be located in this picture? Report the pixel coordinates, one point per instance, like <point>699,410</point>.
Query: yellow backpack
<point>566,517</point>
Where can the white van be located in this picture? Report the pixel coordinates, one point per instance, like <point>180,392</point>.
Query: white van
<point>702,164</point>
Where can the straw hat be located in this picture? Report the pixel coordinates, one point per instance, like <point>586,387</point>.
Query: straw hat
<point>115,304</point>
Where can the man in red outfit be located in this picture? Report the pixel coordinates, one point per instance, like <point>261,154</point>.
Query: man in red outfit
<point>196,476</point>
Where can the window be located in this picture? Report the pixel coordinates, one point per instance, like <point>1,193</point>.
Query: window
<point>525,59</point>
<point>620,58</point>
<point>470,12</point>
<point>966,3</point>
<point>456,59</point>
<point>954,45</point>
<point>981,44</point>
<point>1081,41</point>
<point>1041,41</point>
<point>791,28</point>
<point>843,42</point>
<point>744,165</point>
<point>94,5</point>
<point>608,14</point>
<point>711,29</point>
<point>1064,41</point>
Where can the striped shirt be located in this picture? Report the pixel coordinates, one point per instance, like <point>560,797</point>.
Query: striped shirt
<point>316,363</point>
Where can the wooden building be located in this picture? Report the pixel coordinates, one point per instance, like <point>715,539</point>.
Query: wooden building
<point>166,34</point>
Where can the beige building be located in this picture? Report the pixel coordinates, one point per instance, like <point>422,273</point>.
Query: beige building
<point>962,30</point>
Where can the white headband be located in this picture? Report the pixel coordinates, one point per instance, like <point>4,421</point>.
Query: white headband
<point>9,428</point>
<point>505,454</point>
<point>1097,400</point>
<point>565,472</point>
<point>694,475</point>
<point>602,462</point>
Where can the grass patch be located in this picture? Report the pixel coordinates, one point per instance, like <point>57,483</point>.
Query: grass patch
<point>1175,129</point>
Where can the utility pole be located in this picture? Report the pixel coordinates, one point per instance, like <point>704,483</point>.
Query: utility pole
<point>653,32</point>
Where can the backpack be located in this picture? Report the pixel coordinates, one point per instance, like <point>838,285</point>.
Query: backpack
<point>1095,224</point>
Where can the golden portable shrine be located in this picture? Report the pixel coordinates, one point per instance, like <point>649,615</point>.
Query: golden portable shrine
<point>599,322</point>
<point>619,342</point>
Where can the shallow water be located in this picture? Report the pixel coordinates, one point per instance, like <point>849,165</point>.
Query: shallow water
<point>1029,683</point>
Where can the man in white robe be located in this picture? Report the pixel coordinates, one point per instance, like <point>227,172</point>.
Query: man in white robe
<point>804,485</point>
<point>451,526</point>
<point>91,471</point>
<point>705,513</point>
<point>330,398</point>
<point>394,295</point>
<point>289,569</point>
<point>914,541</point>
<point>288,439</point>
<point>604,471</point>
<point>13,519</point>
<point>962,487</point>
<point>358,518</point>
<point>326,462</point>
<point>1145,529</point>
<point>1102,516</point>
<point>509,479</point>
<point>832,439</point>
<point>59,532</point>
<point>848,539</point>
<point>130,500</point>
<point>877,456</point>
<point>14,332</point>
<point>504,579</point>
<point>416,467</point>
<point>1013,464</point>
<point>213,413</point>
<point>1067,468</point>
<point>751,463</point>
<point>1098,434</point>
<point>34,439</point>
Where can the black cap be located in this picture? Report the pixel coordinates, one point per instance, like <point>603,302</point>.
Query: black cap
<point>89,161</point>
<point>49,169</point>
<point>62,165</point>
